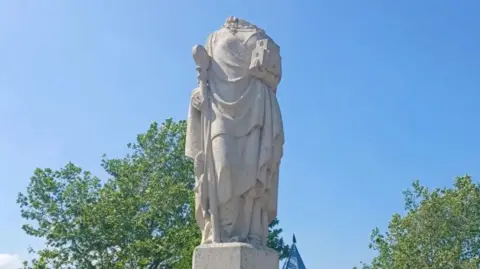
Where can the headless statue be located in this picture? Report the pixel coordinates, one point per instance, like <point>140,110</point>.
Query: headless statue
<point>235,134</point>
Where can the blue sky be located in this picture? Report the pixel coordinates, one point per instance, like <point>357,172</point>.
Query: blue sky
<point>375,94</point>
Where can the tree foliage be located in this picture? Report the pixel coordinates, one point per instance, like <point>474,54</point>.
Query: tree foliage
<point>441,229</point>
<point>141,217</point>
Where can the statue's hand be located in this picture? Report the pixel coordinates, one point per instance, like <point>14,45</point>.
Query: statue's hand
<point>197,99</point>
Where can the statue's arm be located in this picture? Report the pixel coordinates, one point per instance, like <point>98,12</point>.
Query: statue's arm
<point>266,63</point>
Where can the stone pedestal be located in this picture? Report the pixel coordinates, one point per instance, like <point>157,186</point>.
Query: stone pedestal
<point>234,256</point>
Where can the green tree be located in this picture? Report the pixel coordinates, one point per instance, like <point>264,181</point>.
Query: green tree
<point>441,229</point>
<point>141,217</point>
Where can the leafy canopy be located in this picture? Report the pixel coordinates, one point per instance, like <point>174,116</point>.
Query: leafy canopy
<point>441,229</point>
<point>141,217</point>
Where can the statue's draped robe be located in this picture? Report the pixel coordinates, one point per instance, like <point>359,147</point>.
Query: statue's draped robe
<point>247,133</point>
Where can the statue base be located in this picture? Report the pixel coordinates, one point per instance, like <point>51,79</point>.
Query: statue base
<point>234,256</point>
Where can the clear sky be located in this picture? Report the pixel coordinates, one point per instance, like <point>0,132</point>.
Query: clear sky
<point>375,94</point>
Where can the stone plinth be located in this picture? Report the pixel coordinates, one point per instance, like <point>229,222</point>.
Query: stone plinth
<point>234,256</point>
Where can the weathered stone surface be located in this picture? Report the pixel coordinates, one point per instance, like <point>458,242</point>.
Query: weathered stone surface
<point>235,134</point>
<point>234,256</point>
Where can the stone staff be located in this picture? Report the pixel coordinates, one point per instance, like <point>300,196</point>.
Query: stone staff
<point>202,60</point>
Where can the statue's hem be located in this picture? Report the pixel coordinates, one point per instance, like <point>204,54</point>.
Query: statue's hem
<point>235,245</point>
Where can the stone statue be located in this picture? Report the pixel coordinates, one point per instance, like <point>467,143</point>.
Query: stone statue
<point>235,134</point>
